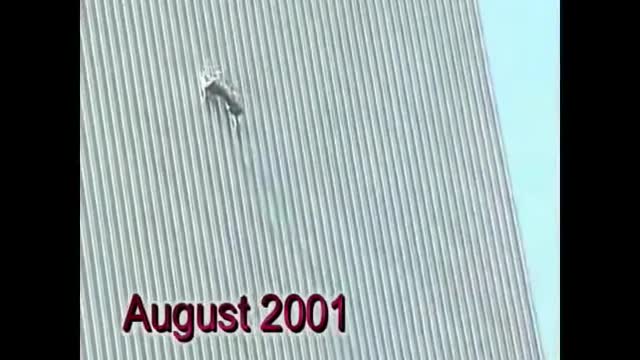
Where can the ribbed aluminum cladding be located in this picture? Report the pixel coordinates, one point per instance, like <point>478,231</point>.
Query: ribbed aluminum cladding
<point>368,161</point>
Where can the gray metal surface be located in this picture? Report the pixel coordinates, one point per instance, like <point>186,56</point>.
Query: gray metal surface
<point>367,162</point>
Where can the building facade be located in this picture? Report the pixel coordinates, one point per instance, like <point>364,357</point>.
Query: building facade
<point>367,161</point>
